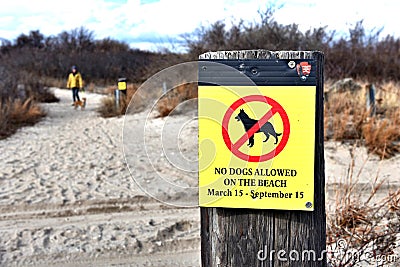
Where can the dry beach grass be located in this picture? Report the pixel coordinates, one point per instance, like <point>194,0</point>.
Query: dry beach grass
<point>18,113</point>
<point>347,117</point>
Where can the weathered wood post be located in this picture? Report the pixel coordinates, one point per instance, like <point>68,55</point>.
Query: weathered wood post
<point>371,106</point>
<point>120,92</point>
<point>288,236</point>
<point>117,98</point>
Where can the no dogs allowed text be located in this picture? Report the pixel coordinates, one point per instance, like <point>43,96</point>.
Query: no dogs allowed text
<point>256,146</point>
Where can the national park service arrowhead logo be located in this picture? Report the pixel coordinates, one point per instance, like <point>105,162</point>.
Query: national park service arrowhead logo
<point>303,70</point>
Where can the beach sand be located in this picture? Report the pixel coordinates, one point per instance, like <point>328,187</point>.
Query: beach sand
<point>80,190</point>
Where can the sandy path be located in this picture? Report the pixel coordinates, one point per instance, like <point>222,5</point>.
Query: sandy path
<point>67,198</point>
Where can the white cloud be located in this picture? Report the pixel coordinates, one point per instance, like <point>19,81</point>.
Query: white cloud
<point>340,15</point>
<point>163,20</point>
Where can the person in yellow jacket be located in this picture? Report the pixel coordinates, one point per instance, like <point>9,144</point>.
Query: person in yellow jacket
<point>75,83</point>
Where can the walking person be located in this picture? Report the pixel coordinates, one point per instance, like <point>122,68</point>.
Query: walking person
<point>75,83</point>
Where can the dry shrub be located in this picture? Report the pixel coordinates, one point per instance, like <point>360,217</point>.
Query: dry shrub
<point>166,105</point>
<point>367,222</point>
<point>18,113</point>
<point>393,200</point>
<point>90,88</point>
<point>176,96</point>
<point>347,118</point>
<point>108,107</point>
<point>19,93</point>
<point>344,115</point>
<point>381,135</point>
<point>370,230</point>
<point>389,93</point>
<point>45,96</point>
<point>25,112</point>
<point>4,119</point>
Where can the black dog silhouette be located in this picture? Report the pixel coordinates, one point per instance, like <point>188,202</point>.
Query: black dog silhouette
<point>267,128</point>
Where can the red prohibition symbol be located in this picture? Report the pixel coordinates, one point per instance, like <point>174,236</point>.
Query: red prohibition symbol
<point>275,108</point>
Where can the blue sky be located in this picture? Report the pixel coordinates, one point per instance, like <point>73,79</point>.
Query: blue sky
<point>153,24</point>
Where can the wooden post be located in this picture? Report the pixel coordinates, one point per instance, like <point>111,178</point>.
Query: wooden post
<point>371,100</point>
<point>164,86</point>
<point>117,93</point>
<point>252,237</point>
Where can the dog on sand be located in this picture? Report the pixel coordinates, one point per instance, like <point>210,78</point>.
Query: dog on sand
<point>81,103</point>
<point>267,128</point>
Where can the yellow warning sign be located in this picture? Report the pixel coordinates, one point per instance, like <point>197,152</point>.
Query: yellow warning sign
<point>256,147</point>
<point>122,85</point>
